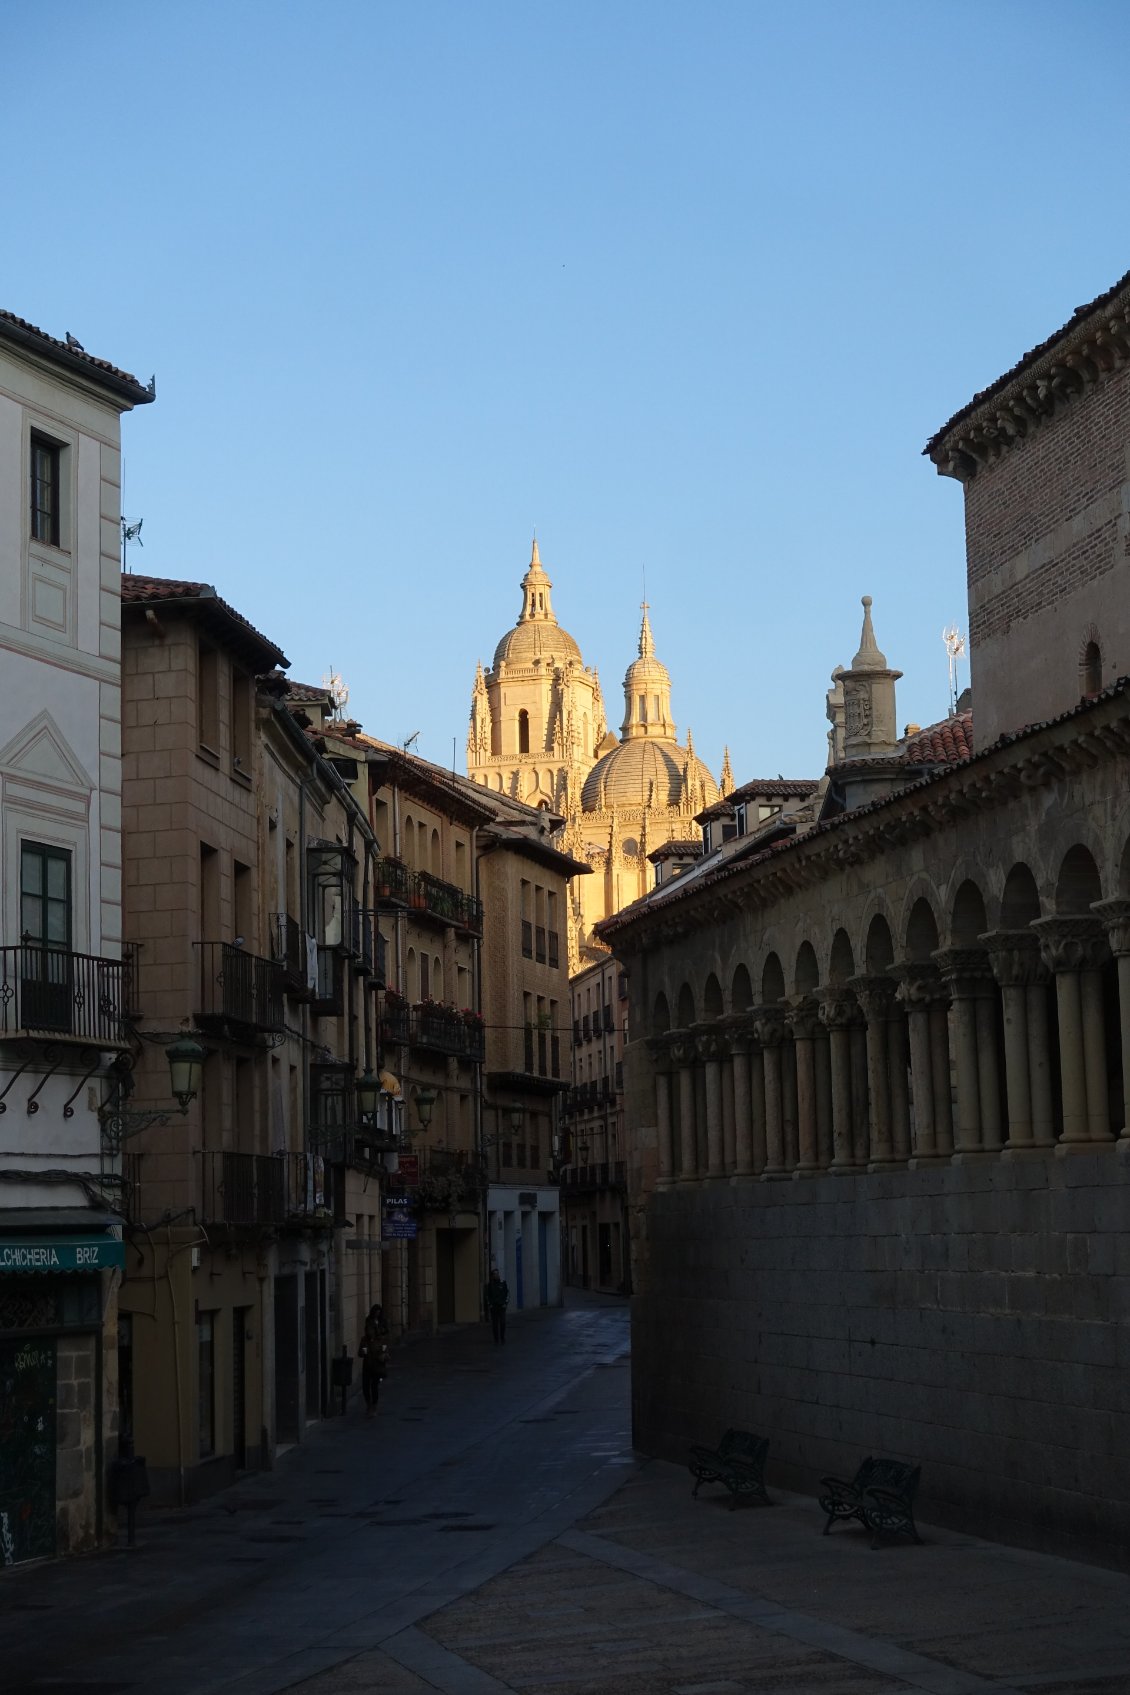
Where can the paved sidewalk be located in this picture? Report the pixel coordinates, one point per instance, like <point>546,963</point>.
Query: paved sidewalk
<point>658,1594</point>
<point>492,1531</point>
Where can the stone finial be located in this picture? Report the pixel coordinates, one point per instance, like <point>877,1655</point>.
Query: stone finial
<point>868,658</point>
<point>535,557</point>
<point>647,641</point>
<point>726,780</point>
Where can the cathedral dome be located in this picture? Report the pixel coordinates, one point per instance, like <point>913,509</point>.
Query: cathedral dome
<point>647,772</point>
<point>530,640</point>
<point>537,634</point>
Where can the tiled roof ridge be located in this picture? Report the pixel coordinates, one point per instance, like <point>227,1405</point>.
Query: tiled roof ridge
<point>683,889</point>
<point>945,743</point>
<point>77,356</point>
<point>1002,382</point>
<point>786,786</point>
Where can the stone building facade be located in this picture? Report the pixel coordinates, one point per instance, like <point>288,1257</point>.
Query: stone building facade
<point>877,1087</point>
<point>249,905</point>
<point>63,981</point>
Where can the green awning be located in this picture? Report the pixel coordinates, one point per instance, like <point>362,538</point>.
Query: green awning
<point>60,1253</point>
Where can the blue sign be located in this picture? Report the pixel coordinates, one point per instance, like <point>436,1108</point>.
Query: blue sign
<point>398,1218</point>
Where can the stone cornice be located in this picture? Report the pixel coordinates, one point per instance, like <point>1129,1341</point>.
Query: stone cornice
<point>1082,354</point>
<point>1037,757</point>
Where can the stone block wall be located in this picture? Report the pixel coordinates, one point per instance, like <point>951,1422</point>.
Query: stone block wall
<point>76,1444</point>
<point>973,1318</point>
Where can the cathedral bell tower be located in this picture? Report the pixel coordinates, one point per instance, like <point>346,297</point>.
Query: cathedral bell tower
<point>537,716</point>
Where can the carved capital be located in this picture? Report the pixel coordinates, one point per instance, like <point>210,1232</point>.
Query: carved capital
<point>1072,943</point>
<point>738,1031</point>
<point>876,995</point>
<point>659,1047</point>
<point>769,1025</point>
<point>919,985</point>
<point>1114,915</point>
<point>1014,956</point>
<point>803,1018</point>
<point>683,1047</point>
<point>965,971</point>
<point>839,1009</point>
<point>708,1039</point>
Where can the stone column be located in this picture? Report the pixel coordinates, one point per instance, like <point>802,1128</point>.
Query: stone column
<point>838,1013</point>
<point>729,1131</point>
<point>740,1037</point>
<point>964,971</point>
<point>860,1114</point>
<point>757,1102</point>
<point>1015,959</point>
<point>789,1133</point>
<point>918,991</point>
<point>1115,918</point>
<point>659,1048</point>
<point>683,1054</point>
<point>709,1042</point>
<point>1074,948</point>
<point>876,995</point>
<point>823,1055</point>
<point>804,1022</point>
<point>769,1028</point>
<point>940,1070</point>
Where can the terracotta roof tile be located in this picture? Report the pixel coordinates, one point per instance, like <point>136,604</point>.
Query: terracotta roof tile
<point>777,788</point>
<point>150,591</point>
<point>29,335</point>
<point>941,744</point>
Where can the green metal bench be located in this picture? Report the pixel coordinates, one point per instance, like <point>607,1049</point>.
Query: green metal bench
<point>880,1496</point>
<point>738,1462</point>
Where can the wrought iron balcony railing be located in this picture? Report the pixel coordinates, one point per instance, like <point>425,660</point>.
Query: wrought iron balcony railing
<point>439,1029</point>
<point>393,883</point>
<point>48,991</point>
<point>449,904</point>
<point>288,949</point>
<point>262,1190</point>
<point>240,988</point>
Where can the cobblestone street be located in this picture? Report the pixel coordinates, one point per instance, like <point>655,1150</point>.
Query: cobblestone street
<point>491,1530</point>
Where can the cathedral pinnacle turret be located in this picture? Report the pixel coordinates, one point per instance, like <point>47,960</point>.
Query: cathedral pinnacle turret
<point>535,591</point>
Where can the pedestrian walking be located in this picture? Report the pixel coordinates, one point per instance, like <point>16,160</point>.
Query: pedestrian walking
<point>373,1354</point>
<point>496,1298</point>
<point>377,1319</point>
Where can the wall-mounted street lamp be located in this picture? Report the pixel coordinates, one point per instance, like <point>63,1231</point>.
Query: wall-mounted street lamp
<point>368,1089</point>
<point>517,1118</point>
<point>186,1068</point>
<point>425,1100</point>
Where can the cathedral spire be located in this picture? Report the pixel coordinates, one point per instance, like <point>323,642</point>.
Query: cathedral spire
<point>647,641</point>
<point>647,691</point>
<point>726,781</point>
<point>535,591</point>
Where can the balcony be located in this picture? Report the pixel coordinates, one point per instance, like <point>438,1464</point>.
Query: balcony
<point>393,884</point>
<point>239,990</point>
<point>329,995</point>
<point>339,1131</point>
<point>46,991</point>
<point>451,1181</point>
<point>434,1028</point>
<point>447,904</point>
<point>262,1191</point>
<point>288,949</point>
<point>609,1020</point>
<point>363,940</point>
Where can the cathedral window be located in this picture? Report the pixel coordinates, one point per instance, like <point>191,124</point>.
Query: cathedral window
<point>643,708</point>
<point>523,731</point>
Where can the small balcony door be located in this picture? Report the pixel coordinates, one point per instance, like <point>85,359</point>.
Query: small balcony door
<point>45,933</point>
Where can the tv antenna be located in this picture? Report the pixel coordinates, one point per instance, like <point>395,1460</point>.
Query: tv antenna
<point>131,531</point>
<point>414,737</point>
<point>334,685</point>
<point>955,650</point>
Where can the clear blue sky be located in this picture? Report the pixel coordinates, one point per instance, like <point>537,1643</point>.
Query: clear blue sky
<point>681,286</point>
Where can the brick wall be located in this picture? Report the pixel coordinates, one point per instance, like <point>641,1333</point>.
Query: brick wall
<point>1048,549</point>
<point>972,1318</point>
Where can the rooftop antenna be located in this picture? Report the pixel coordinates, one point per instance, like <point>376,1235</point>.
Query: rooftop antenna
<point>414,737</point>
<point>955,650</point>
<point>131,531</point>
<point>335,687</point>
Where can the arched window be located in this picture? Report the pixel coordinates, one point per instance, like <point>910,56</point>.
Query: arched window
<point>523,731</point>
<point>425,977</point>
<point>1091,669</point>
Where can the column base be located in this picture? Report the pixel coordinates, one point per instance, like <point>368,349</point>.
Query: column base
<point>885,1164</point>
<point>835,1170</point>
<point>1027,1150</point>
<point>1065,1149</point>
<point>918,1162</point>
<point>975,1156</point>
<point>804,1171</point>
<point>743,1176</point>
<point>717,1177</point>
<point>780,1175</point>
